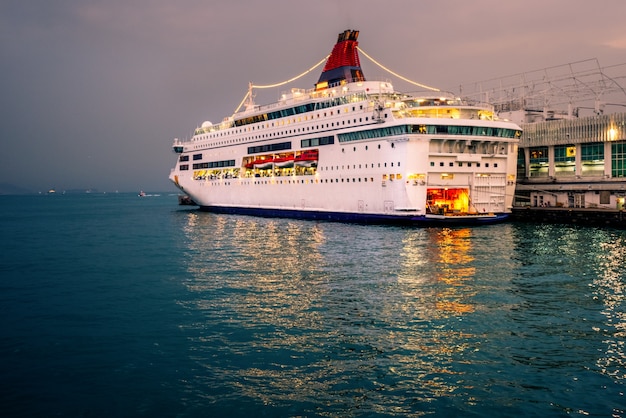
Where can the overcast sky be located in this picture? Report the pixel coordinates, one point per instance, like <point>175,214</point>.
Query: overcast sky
<point>94,91</point>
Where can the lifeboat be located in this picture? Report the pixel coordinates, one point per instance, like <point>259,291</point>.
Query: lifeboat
<point>307,158</point>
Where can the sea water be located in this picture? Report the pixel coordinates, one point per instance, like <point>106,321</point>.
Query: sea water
<point>119,305</point>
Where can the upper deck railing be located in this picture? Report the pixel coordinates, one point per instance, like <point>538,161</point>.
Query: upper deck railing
<point>404,105</point>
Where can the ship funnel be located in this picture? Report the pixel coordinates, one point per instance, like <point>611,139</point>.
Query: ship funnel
<point>343,65</point>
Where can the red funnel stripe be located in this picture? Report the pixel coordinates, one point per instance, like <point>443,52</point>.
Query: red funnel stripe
<point>343,65</point>
<point>345,52</point>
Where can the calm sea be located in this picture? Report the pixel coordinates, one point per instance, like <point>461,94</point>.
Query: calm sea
<point>113,305</point>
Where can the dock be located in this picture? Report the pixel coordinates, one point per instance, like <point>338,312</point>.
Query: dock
<point>615,218</point>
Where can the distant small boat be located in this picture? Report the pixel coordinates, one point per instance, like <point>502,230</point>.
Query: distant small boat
<point>51,191</point>
<point>142,194</point>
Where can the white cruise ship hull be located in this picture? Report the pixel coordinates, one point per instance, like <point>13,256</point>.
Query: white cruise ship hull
<point>354,151</point>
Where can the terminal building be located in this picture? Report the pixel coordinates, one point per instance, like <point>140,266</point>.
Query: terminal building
<point>573,163</point>
<point>572,153</point>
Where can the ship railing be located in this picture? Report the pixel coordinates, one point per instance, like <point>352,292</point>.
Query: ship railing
<point>478,104</point>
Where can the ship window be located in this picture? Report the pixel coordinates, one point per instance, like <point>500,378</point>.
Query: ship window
<point>495,165</point>
<point>450,164</point>
<point>486,164</point>
<point>441,164</point>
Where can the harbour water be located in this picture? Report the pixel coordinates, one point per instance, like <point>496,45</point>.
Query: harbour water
<point>116,305</point>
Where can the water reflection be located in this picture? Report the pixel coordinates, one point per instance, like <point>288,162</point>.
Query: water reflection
<point>570,315</point>
<point>441,260</point>
<point>610,290</point>
<point>348,316</point>
<point>455,270</point>
<point>331,319</point>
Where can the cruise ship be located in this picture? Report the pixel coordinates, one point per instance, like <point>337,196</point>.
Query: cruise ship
<point>354,150</point>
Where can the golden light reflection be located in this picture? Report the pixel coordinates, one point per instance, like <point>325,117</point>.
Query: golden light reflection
<point>611,290</point>
<point>453,258</point>
<point>291,308</point>
<point>437,277</point>
<point>441,273</point>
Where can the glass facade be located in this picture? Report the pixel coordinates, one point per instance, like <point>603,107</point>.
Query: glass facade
<point>538,162</point>
<point>618,159</point>
<point>592,159</point>
<point>521,163</point>
<point>430,129</point>
<point>565,160</point>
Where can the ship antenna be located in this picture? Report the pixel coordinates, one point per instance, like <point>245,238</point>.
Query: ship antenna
<point>250,96</point>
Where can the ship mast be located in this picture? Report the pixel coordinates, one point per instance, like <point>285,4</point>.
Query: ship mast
<point>250,97</point>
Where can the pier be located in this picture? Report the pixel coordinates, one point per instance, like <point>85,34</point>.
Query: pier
<point>615,218</point>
